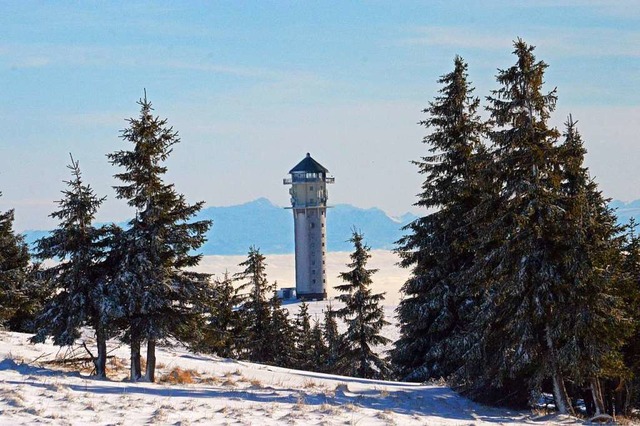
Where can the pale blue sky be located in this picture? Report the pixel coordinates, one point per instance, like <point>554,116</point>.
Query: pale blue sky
<point>252,86</point>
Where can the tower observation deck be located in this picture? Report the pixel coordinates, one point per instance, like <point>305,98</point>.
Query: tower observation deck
<point>308,180</point>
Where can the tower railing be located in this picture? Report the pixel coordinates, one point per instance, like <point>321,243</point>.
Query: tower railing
<point>291,180</point>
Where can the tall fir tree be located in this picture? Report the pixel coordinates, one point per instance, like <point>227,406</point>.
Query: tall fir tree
<point>631,348</point>
<point>518,261</point>
<point>363,316</point>
<point>157,294</point>
<point>78,279</point>
<point>591,324</point>
<point>255,310</point>
<point>437,305</point>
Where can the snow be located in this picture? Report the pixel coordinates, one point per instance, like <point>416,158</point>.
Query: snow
<point>225,391</point>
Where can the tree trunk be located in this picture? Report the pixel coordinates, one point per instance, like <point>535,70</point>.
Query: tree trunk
<point>101,361</point>
<point>598,399</point>
<point>559,391</point>
<point>151,360</point>
<point>135,355</point>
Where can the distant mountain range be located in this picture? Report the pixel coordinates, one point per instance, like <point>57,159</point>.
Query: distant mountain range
<point>269,227</point>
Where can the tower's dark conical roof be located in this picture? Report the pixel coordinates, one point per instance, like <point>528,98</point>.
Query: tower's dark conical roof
<point>309,165</point>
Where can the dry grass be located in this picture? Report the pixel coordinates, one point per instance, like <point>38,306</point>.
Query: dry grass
<point>256,384</point>
<point>178,376</point>
<point>309,384</point>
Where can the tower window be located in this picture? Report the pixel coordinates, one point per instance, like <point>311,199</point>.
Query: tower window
<point>313,225</point>
<point>311,188</point>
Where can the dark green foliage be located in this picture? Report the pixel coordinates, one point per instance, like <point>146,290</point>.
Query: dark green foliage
<point>157,297</point>
<point>363,315</point>
<point>438,306</point>
<point>79,278</point>
<point>281,335</point>
<point>593,316</point>
<point>19,288</point>
<point>518,280</point>
<point>222,322</point>
<point>305,345</point>
<point>255,310</point>
<point>319,349</point>
<point>519,257</point>
<point>631,348</point>
<point>333,341</point>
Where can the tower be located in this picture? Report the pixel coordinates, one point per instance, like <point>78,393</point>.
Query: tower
<point>308,192</point>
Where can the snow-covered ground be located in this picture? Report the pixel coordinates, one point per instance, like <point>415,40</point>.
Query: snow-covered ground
<point>220,391</point>
<point>212,390</point>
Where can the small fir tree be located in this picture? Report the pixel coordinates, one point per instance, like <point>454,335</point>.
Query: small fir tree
<point>255,310</point>
<point>281,348</point>
<point>305,346</point>
<point>333,341</point>
<point>222,324</point>
<point>78,280</point>
<point>363,316</point>
<point>320,350</point>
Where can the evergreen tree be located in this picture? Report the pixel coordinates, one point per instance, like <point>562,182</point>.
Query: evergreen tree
<point>320,351</point>
<point>333,341</point>
<point>363,316</point>
<point>15,300</point>
<point>592,316</point>
<point>222,319</point>
<point>157,295</point>
<point>78,279</point>
<point>437,306</point>
<point>631,349</point>
<point>280,335</point>
<point>255,310</point>
<point>519,259</point>
<point>305,344</point>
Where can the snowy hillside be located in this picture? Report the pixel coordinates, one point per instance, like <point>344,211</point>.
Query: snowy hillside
<point>199,389</point>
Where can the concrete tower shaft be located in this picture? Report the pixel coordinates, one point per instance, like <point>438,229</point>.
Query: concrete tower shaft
<point>309,204</point>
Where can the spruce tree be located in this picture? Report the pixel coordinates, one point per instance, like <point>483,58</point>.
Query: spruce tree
<point>333,341</point>
<point>255,310</point>
<point>78,279</point>
<point>631,348</point>
<point>157,295</point>
<point>305,346</point>
<point>437,305</point>
<point>222,322</point>
<point>591,325</point>
<point>363,316</point>
<point>320,350</point>
<point>14,274</point>
<point>281,335</point>
<point>518,262</point>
